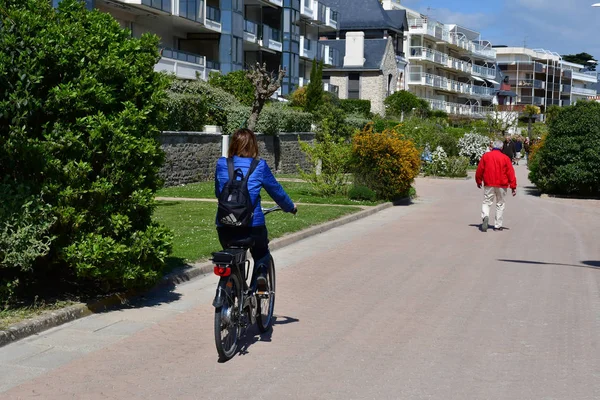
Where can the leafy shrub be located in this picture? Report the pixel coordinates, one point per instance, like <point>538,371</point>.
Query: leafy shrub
<point>236,83</point>
<point>186,112</point>
<point>438,114</point>
<point>380,124</point>
<point>457,167</point>
<point>473,146</point>
<point>332,120</point>
<point>298,97</point>
<point>386,162</point>
<point>569,159</point>
<point>280,118</point>
<point>405,102</point>
<point>80,110</point>
<point>356,106</point>
<point>360,192</point>
<point>439,163</point>
<point>356,122</point>
<point>314,89</point>
<point>236,117</point>
<point>329,157</point>
<point>218,101</point>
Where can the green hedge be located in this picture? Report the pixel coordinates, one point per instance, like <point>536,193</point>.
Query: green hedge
<point>356,106</point>
<point>80,108</point>
<point>186,112</point>
<point>569,160</point>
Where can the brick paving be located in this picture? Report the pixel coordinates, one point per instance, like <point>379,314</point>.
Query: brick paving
<point>411,303</point>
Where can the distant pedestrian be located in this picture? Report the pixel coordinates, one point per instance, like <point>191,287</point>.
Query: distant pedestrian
<point>527,148</point>
<point>496,174</point>
<point>518,148</point>
<point>508,148</point>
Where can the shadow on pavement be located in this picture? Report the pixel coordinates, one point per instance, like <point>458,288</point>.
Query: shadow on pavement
<point>586,264</point>
<point>491,228</point>
<point>532,191</point>
<point>163,294</point>
<point>253,335</point>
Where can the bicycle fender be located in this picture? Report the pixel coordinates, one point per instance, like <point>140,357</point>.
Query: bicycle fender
<point>220,295</point>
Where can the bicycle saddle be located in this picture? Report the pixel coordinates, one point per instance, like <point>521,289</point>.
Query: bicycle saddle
<point>245,243</point>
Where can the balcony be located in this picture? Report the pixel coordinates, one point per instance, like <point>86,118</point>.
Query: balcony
<point>306,9</point>
<point>538,101</point>
<point>481,50</point>
<point>182,64</point>
<point>449,85</point>
<point>250,31</point>
<point>308,48</point>
<point>483,91</point>
<point>528,83</point>
<point>276,2</point>
<point>328,87</point>
<point>580,76</point>
<point>192,10</point>
<point>332,18</point>
<point>583,91</point>
<point>213,18</point>
<point>163,5</point>
<point>484,71</point>
<point>473,111</point>
<point>320,15</point>
<point>424,53</point>
<point>271,38</point>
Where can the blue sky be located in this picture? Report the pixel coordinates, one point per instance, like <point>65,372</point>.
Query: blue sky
<point>563,26</point>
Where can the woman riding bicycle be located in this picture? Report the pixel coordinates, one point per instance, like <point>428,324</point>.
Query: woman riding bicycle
<point>244,149</point>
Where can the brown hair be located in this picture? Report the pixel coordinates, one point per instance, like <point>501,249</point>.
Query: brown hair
<point>243,144</point>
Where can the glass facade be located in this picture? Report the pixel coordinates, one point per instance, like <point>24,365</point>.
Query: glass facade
<point>290,59</point>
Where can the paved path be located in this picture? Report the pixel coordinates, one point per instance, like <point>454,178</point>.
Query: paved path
<point>412,303</point>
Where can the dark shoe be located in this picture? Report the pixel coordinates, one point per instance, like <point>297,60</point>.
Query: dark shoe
<point>485,224</point>
<point>261,282</point>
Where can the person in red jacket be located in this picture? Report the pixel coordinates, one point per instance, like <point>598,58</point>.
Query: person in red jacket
<point>496,174</point>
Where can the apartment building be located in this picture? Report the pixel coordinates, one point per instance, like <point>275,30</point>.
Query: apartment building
<point>200,36</point>
<point>450,66</point>
<point>542,78</point>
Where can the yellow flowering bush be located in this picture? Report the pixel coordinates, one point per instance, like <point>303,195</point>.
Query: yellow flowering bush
<point>386,162</point>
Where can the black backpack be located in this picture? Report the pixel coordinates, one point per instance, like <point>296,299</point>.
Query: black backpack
<point>235,207</point>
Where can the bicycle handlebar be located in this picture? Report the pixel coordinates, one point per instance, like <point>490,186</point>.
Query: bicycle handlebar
<point>276,208</point>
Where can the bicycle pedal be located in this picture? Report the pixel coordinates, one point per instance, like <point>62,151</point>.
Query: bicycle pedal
<point>266,294</point>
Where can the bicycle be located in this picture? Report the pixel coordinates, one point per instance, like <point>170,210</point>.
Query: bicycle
<point>237,305</point>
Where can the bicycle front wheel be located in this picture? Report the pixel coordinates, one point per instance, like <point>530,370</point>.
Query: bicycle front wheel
<point>227,318</point>
<point>266,301</point>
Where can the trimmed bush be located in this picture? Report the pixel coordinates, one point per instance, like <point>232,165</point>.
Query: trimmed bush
<point>186,112</point>
<point>236,83</point>
<point>456,167</point>
<point>80,107</point>
<point>405,102</point>
<point>386,162</point>
<point>356,106</point>
<point>356,122</point>
<point>218,101</point>
<point>359,192</point>
<point>298,97</point>
<point>568,162</point>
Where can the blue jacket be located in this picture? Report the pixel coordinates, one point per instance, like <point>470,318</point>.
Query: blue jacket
<point>262,177</point>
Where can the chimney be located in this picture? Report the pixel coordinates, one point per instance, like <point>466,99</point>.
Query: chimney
<point>355,49</point>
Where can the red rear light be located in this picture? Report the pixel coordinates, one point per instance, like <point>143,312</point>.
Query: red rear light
<point>222,270</point>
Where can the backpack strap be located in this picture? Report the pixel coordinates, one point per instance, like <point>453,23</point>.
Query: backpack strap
<point>230,167</point>
<point>253,166</point>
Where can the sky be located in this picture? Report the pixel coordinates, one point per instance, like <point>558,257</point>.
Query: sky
<point>562,26</point>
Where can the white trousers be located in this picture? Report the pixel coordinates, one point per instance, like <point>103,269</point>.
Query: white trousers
<point>489,192</point>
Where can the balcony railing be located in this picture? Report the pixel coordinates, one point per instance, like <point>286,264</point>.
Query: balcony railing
<point>529,83</point>
<point>450,85</point>
<point>214,65</point>
<point>192,10</point>
<point>164,5</point>
<point>250,27</point>
<point>451,62</point>
<point>271,38</point>
<point>213,14</point>
<point>583,91</point>
<point>332,18</point>
<point>307,48</point>
<point>321,9</point>
<point>459,109</point>
<point>183,64</point>
<point>581,76</point>
<point>306,8</point>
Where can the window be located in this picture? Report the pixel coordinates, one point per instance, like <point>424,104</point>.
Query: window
<point>354,86</point>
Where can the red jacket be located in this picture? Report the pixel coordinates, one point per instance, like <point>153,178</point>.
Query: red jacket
<point>495,169</point>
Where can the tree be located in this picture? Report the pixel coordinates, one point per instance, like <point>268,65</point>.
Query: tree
<point>502,121</point>
<point>314,91</point>
<point>236,83</point>
<point>265,84</point>
<point>404,102</point>
<point>80,104</point>
<point>530,111</point>
<point>583,59</point>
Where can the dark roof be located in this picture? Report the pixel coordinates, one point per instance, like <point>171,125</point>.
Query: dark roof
<point>374,52</point>
<point>363,15</point>
<point>399,18</point>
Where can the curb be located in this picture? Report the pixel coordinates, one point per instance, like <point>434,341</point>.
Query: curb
<point>53,319</point>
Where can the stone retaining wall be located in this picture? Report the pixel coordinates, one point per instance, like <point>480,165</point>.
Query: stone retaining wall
<point>191,156</point>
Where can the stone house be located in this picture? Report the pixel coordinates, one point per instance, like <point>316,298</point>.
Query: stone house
<point>369,71</point>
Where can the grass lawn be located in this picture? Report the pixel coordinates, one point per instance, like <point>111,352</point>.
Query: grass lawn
<point>193,224</point>
<point>13,315</point>
<point>300,192</point>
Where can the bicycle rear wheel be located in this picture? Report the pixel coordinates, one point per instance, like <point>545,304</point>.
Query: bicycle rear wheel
<point>227,319</point>
<point>266,301</point>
